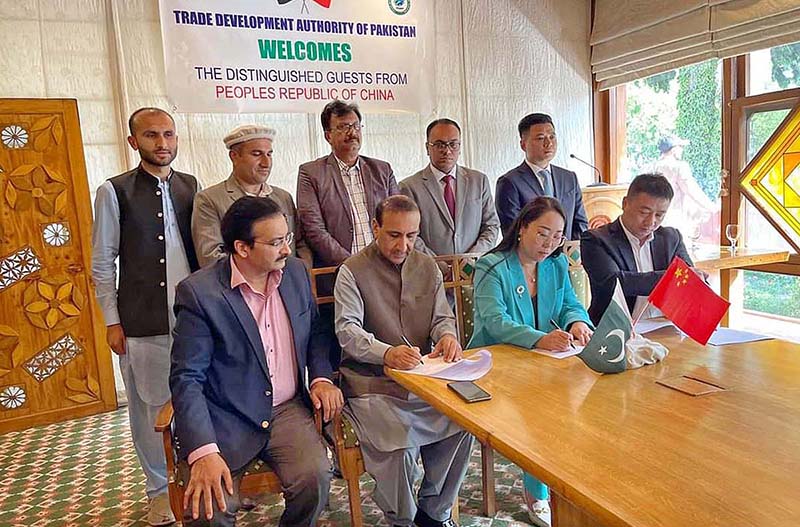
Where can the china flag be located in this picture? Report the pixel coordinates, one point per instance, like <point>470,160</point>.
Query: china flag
<point>688,302</point>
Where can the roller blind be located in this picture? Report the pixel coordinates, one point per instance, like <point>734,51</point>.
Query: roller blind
<point>632,39</point>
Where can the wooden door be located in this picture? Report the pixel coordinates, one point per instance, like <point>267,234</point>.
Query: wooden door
<point>54,362</point>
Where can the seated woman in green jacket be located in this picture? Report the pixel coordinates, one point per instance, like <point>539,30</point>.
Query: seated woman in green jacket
<point>522,287</point>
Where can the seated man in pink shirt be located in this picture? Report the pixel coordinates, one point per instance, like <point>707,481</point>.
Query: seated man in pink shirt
<point>246,334</point>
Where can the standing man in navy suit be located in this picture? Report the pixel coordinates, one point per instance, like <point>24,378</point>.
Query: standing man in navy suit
<point>537,177</point>
<point>247,333</point>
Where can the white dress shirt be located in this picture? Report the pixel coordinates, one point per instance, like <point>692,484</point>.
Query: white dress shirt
<point>644,264</point>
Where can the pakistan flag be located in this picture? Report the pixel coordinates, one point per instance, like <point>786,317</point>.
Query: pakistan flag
<point>605,352</point>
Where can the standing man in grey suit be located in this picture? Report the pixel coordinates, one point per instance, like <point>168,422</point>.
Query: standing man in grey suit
<point>537,177</point>
<point>337,195</point>
<point>456,206</point>
<point>250,150</point>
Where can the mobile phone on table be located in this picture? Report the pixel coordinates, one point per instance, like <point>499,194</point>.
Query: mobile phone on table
<point>469,391</point>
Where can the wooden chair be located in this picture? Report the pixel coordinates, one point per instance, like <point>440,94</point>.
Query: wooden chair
<point>459,278</point>
<point>258,477</point>
<point>577,274</point>
<point>344,440</point>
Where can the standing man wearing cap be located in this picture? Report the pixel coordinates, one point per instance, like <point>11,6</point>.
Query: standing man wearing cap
<point>337,195</point>
<point>690,209</point>
<point>456,206</point>
<point>536,176</point>
<point>250,151</point>
<point>143,217</point>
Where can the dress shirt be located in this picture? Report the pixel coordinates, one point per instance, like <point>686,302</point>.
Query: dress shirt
<point>542,174</point>
<point>644,264</point>
<point>441,175</point>
<point>354,183</point>
<point>359,343</point>
<point>277,339</point>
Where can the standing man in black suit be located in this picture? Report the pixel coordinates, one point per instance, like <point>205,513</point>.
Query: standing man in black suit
<point>537,177</point>
<point>634,249</point>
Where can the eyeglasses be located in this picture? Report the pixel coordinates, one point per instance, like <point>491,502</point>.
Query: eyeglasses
<point>278,243</point>
<point>547,240</point>
<point>346,127</point>
<point>443,146</point>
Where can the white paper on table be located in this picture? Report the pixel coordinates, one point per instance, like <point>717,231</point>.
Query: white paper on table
<point>723,336</point>
<point>468,369</point>
<point>651,324</point>
<point>560,354</point>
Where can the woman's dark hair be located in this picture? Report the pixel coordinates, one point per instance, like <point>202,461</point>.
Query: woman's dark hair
<point>237,223</point>
<point>535,209</point>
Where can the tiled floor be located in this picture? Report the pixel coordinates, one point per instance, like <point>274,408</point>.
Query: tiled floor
<point>85,473</point>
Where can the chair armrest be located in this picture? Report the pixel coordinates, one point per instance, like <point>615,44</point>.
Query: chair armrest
<point>164,419</point>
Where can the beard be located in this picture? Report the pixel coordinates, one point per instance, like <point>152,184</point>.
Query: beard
<point>153,159</point>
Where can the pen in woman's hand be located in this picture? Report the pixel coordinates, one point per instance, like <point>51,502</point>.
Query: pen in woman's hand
<point>571,344</point>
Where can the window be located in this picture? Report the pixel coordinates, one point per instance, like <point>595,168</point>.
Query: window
<point>774,69</point>
<point>673,125</point>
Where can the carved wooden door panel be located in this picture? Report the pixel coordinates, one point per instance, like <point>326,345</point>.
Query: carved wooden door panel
<point>54,362</point>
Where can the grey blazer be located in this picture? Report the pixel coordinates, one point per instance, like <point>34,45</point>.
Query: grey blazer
<point>211,204</point>
<point>476,226</point>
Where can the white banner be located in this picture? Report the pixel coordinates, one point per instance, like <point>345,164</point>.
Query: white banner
<point>238,56</point>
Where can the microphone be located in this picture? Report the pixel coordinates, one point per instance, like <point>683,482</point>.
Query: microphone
<point>599,178</point>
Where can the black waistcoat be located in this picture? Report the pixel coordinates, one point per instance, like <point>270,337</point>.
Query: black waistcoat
<point>142,290</point>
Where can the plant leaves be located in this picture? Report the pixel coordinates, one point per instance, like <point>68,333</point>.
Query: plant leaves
<point>42,123</point>
<point>8,331</point>
<point>11,195</point>
<point>36,307</point>
<point>42,141</point>
<point>60,202</point>
<point>76,385</point>
<point>81,398</point>
<point>46,206</point>
<point>4,372</point>
<point>58,131</point>
<point>17,356</point>
<point>52,318</point>
<point>69,310</point>
<point>46,290</point>
<point>22,170</point>
<point>53,174</point>
<point>93,385</point>
<point>64,290</point>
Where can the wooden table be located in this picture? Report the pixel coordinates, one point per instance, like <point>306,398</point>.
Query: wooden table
<point>711,257</point>
<point>621,450</point>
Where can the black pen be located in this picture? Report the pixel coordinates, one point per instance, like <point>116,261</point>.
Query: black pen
<point>407,343</point>
<point>571,345</point>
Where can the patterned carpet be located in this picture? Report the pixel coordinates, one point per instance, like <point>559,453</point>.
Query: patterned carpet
<point>85,473</point>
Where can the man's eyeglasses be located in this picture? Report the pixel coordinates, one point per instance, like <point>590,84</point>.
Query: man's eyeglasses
<point>278,242</point>
<point>443,146</point>
<point>346,127</point>
<point>552,241</point>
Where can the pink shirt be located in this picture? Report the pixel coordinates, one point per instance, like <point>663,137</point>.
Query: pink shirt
<point>275,330</point>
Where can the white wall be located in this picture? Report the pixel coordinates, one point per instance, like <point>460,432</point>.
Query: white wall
<point>496,61</point>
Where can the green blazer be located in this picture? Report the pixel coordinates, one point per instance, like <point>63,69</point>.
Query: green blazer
<point>503,307</point>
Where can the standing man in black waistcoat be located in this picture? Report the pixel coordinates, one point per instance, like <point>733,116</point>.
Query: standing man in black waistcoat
<point>144,217</point>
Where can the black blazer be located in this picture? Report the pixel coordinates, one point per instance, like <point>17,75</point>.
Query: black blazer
<point>519,185</point>
<point>607,256</point>
<point>220,382</point>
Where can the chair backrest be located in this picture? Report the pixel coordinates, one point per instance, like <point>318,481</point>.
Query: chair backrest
<point>577,274</point>
<point>458,279</point>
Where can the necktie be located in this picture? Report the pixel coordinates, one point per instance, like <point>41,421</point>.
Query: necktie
<point>547,184</point>
<point>450,196</point>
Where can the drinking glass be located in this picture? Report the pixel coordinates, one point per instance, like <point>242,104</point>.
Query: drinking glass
<point>732,232</point>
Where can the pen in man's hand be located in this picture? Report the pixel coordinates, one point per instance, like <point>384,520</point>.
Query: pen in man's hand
<point>407,343</point>
<point>571,345</point>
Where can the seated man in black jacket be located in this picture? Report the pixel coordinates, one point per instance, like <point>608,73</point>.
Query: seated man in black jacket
<point>634,249</point>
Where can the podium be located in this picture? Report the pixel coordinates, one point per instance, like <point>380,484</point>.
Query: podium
<point>603,203</point>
